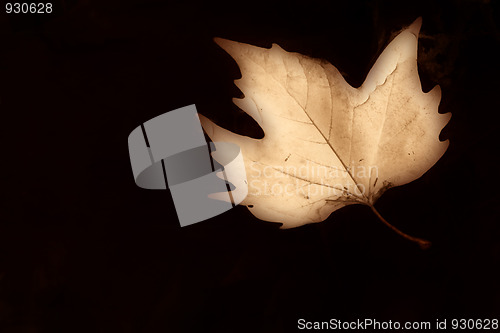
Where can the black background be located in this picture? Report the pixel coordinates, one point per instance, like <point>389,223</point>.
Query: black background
<point>83,249</point>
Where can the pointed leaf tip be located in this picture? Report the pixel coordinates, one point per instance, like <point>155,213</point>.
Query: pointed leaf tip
<point>226,44</point>
<point>414,28</point>
<point>219,40</point>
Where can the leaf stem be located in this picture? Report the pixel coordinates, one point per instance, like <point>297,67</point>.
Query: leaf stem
<point>424,244</point>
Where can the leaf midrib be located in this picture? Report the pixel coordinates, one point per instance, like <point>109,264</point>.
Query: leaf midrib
<point>364,198</point>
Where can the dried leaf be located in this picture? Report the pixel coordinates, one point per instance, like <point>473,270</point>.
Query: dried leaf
<point>327,144</point>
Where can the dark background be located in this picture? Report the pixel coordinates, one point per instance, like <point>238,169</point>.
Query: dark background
<point>83,249</point>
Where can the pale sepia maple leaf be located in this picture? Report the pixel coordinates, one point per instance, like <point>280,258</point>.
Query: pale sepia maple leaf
<point>326,144</point>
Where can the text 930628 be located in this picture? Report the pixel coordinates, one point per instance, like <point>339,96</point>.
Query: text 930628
<point>28,8</point>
